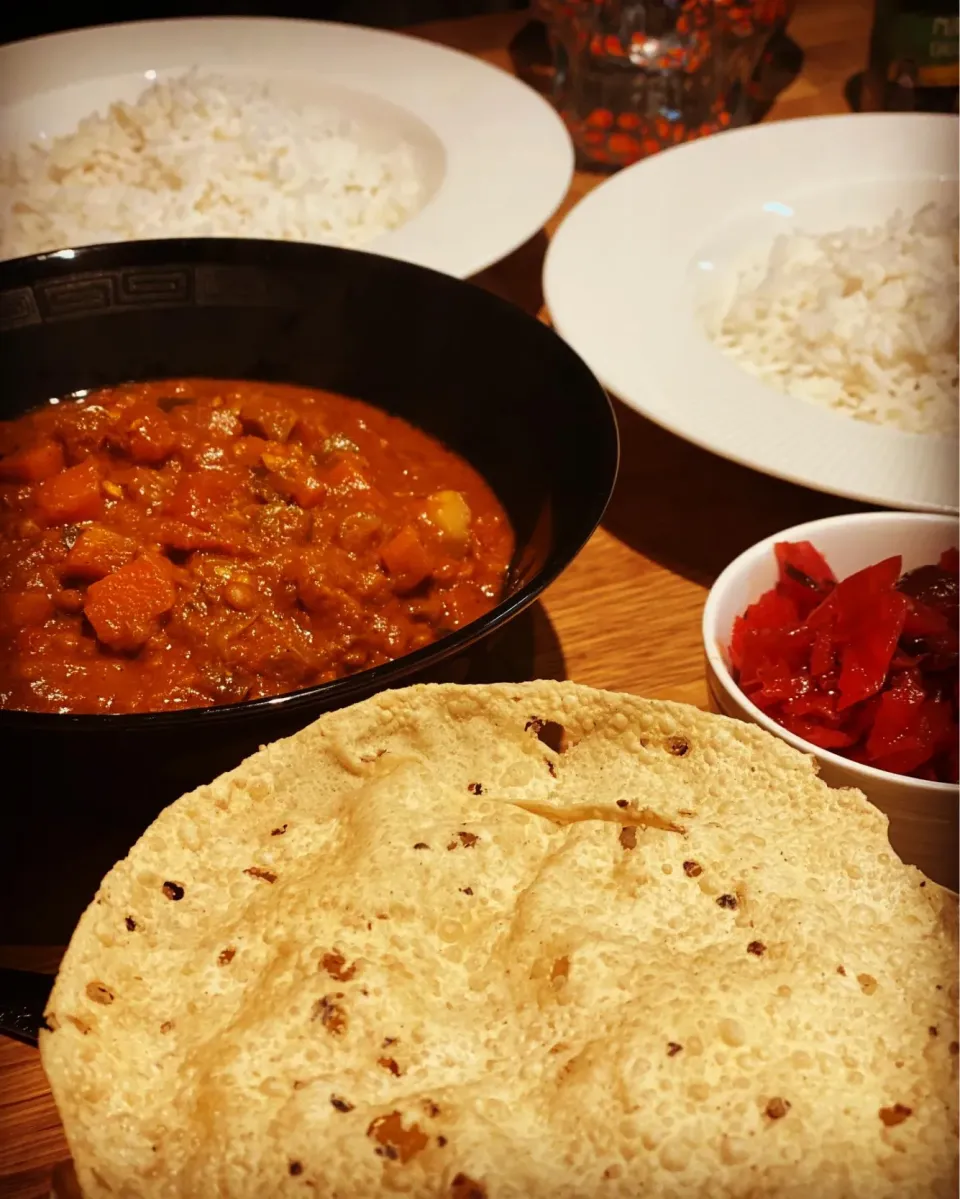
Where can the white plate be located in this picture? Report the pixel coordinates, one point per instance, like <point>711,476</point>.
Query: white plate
<point>497,159</point>
<point>629,268</point>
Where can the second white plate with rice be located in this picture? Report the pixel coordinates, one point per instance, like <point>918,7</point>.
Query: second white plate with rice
<point>297,130</point>
<point>785,296</point>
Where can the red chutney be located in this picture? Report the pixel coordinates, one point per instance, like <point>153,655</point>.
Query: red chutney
<point>866,667</point>
<point>178,544</point>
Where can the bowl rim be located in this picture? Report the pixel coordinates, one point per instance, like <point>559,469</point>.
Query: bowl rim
<point>717,663</point>
<point>351,688</point>
<point>648,345</point>
<point>511,121</point>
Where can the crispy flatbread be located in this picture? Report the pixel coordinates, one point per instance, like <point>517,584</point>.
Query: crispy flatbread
<point>512,942</point>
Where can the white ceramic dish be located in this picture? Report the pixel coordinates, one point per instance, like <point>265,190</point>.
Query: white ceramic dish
<point>923,815</point>
<point>630,267</point>
<point>496,158</point>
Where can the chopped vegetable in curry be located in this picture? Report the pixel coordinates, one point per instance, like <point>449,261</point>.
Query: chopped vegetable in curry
<point>185,543</point>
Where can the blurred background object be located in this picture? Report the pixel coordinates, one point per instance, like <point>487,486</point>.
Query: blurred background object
<point>630,79</point>
<point>21,21</point>
<point>913,58</point>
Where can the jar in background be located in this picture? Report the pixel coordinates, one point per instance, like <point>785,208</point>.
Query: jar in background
<point>913,57</point>
<point>633,78</point>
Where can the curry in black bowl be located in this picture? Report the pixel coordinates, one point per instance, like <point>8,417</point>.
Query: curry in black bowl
<point>191,542</point>
<point>276,478</point>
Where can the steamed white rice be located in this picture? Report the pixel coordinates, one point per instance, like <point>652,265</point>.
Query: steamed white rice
<point>203,156</point>
<point>863,321</point>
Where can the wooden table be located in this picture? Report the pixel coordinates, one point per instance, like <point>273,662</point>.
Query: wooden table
<point>626,614</point>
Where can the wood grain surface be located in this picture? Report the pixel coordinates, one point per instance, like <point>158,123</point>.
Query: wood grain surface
<point>626,614</point>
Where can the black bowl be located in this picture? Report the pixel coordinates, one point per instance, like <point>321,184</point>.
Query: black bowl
<point>493,384</point>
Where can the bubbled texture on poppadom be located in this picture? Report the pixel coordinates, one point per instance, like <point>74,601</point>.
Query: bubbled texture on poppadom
<point>513,942</point>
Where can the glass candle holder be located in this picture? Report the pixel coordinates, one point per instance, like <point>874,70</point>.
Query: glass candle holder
<point>632,78</point>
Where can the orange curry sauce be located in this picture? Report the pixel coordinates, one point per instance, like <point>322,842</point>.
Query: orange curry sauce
<point>177,544</point>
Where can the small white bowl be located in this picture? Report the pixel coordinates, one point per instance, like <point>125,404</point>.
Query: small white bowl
<point>922,814</point>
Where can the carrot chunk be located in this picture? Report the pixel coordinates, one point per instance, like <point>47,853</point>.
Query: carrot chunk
<point>27,608</point>
<point>406,559</point>
<point>186,537</point>
<point>124,608</point>
<point>247,451</point>
<point>206,494</point>
<point>295,479</point>
<point>269,417</point>
<point>73,494</point>
<point>345,475</point>
<point>151,438</point>
<point>97,552</point>
<point>32,464</point>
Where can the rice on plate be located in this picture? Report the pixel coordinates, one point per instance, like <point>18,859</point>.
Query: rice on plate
<point>207,156</point>
<point>863,320</point>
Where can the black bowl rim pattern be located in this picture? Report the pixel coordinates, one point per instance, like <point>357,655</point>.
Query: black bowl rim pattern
<point>350,688</point>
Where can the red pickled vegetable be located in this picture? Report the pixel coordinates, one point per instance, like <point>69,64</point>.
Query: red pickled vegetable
<point>802,573</point>
<point>866,667</point>
<point>866,656</point>
<point>771,611</point>
<point>924,621</point>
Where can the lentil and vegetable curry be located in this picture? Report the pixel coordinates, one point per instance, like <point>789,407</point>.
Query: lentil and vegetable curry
<point>184,543</point>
